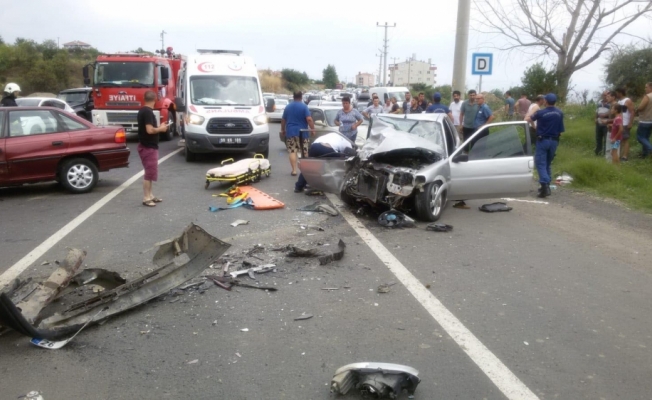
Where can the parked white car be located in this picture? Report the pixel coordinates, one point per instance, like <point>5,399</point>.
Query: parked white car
<point>44,102</point>
<point>279,107</point>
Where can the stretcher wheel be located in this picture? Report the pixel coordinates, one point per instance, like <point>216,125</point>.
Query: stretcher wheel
<point>206,184</point>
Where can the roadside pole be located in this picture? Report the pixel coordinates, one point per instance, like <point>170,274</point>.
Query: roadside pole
<point>461,46</point>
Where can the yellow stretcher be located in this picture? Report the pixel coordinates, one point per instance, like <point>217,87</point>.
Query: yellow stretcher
<point>248,170</point>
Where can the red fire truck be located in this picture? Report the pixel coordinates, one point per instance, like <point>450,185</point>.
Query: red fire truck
<point>120,82</point>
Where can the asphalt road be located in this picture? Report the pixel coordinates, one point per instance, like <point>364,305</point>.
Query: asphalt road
<point>559,294</point>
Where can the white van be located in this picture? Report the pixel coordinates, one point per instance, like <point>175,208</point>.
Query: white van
<point>222,103</point>
<point>387,92</point>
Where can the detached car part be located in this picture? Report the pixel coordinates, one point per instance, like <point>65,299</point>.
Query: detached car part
<point>382,380</point>
<point>179,260</point>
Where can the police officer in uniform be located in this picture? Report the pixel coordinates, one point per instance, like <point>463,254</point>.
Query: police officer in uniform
<point>9,99</point>
<point>550,126</point>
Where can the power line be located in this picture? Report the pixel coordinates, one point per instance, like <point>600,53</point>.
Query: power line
<point>385,49</point>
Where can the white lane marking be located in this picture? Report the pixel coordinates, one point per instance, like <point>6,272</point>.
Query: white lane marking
<point>15,270</point>
<point>500,375</point>
<point>525,201</point>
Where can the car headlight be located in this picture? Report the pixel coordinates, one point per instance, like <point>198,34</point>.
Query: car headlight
<point>260,119</point>
<point>194,119</point>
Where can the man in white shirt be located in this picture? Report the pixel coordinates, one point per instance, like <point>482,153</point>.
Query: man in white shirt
<point>330,145</point>
<point>534,107</point>
<point>456,109</point>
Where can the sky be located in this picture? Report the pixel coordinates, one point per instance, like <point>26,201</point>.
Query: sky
<point>283,34</point>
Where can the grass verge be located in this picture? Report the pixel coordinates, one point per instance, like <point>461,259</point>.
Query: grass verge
<point>629,182</point>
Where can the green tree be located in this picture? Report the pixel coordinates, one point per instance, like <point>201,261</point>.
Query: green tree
<point>630,67</point>
<point>536,80</point>
<point>446,92</point>
<point>330,77</point>
<point>48,49</point>
<point>40,78</point>
<point>294,80</point>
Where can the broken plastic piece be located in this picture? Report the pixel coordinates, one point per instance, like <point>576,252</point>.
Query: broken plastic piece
<point>261,270</point>
<point>335,256</point>
<point>239,222</point>
<point>46,344</point>
<point>320,207</point>
<point>98,276</point>
<point>378,379</point>
<point>439,227</point>
<point>395,219</point>
<point>495,207</point>
<point>303,317</point>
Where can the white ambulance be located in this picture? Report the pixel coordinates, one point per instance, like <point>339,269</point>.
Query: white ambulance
<point>220,97</point>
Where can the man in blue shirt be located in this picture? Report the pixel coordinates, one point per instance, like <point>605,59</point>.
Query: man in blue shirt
<point>484,115</point>
<point>550,125</point>
<point>296,117</point>
<point>437,107</point>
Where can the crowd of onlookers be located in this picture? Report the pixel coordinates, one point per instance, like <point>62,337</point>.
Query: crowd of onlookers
<point>614,119</point>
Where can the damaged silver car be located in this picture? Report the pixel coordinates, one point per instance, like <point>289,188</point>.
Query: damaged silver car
<point>417,163</point>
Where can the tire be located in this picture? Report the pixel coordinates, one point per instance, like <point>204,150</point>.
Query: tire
<point>171,132</point>
<point>430,203</point>
<point>78,175</point>
<point>265,153</point>
<point>190,156</point>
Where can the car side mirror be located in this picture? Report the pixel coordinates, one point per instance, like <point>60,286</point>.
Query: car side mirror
<point>320,123</point>
<point>459,157</point>
<point>85,72</point>
<point>180,104</point>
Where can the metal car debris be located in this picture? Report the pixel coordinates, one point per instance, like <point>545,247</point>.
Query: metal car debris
<point>324,257</point>
<point>495,207</point>
<point>395,219</point>
<point>439,227</point>
<point>382,380</point>
<point>179,260</point>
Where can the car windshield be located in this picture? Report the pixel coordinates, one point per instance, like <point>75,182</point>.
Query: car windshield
<point>23,102</point>
<point>73,97</point>
<point>225,90</point>
<point>429,130</point>
<point>124,74</point>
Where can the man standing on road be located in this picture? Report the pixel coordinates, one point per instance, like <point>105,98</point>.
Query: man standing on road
<point>509,106</point>
<point>148,134</point>
<point>455,109</point>
<point>534,107</point>
<point>437,107</point>
<point>550,126</point>
<point>484,115</point>
<point>11,92</point>
<point>296,117</point>
<point>644,129</point>
<point>467,115</point>
<point>375,108</point>
<point>522,106</point>
<point>628,121</point>
<point>422,101</point>
<point>371,102</point>
<point>407,104</point>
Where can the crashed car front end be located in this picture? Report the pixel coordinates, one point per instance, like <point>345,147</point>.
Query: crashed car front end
<point>391,167</point>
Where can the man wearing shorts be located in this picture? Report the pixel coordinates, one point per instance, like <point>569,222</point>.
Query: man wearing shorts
<point>148,134</point>
<point>296,117</point>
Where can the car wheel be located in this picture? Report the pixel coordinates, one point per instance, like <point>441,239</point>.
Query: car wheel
<point>430,203</point>
<point>265,153</point>
<point>190,156</point>
<point>171,132</point>
<point>78,175</point>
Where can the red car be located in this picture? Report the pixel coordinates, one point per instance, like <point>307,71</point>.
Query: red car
<point>40,144</point>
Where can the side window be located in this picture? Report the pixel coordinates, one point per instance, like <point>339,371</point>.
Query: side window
<point>317,115</point>
<point>32,122</point>
<point>58,104</point>
<point>450,141</point>
<point>71,124</point>
<point>502,141</point>
<point>159,81</point>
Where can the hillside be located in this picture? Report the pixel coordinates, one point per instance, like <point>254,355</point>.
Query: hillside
<point>42,67</point>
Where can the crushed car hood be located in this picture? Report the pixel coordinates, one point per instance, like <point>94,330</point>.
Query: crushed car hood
<point>386,141</point>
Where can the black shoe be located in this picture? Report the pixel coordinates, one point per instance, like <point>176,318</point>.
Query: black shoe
<point>297,190</point>
<point>544,191</point>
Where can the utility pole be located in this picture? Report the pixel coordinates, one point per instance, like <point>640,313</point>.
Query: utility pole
<point>461,45</point>
<point>163,40</point>
<point>380,66</point>
<point>385,49</point>
<point>395,65</point>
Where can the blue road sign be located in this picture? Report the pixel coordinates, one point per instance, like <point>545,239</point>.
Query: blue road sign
<point>482,63</point>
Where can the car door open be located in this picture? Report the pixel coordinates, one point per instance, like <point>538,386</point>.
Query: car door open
<point>495,162</point>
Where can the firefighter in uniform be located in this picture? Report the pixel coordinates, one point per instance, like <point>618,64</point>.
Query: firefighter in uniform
<point>550,126</point>
<point>9,99</point>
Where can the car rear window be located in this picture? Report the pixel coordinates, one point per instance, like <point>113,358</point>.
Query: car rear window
<point>71,124</point>
<point>28,102</point>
